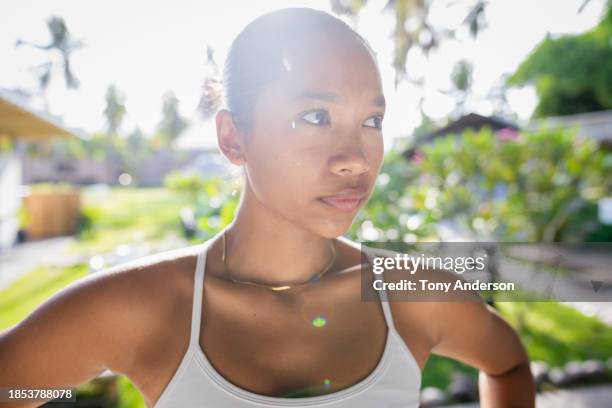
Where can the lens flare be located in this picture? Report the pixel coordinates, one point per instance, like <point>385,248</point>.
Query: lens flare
<point>319,321</point>
<point>316,315</point>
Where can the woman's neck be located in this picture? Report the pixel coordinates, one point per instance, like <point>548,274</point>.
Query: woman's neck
<point>265,248</point>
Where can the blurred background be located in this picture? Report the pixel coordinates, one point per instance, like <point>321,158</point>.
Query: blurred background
<point>498,128</point>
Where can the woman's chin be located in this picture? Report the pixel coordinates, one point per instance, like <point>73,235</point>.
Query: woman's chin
<point>333,229</point>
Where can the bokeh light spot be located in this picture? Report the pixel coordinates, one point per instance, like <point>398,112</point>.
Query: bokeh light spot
<point>319,321</point>
<point>125,179</point>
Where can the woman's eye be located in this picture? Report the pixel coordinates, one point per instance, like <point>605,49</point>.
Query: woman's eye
<point>317,117</point>
<point>374,122</point>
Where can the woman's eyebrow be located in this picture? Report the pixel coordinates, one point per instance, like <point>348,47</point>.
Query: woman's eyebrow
<point>323,96</point>
<point>379,101</point>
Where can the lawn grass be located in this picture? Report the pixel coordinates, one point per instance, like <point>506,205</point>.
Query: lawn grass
<point>439,371</point>
<point>556,333</point>
<point>23,296</point>
<point>129,395</point>
<point>128,215</point>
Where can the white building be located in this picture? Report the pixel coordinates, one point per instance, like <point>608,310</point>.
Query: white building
<point>19,122</point>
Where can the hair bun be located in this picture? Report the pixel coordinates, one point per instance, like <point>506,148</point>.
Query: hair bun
<point>211,97</point>
<point>212,89</point>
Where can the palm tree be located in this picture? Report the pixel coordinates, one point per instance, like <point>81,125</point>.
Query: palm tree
<point>61,42</point>
<point>172,124</point>
<point>461,77</point>
<point>413,28</point>
<point>115,109</point>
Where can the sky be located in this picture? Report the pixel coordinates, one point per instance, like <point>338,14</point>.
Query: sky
<point>149,47</point>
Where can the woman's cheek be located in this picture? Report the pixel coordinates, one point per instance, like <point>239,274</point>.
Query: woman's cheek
<point>376,149</point>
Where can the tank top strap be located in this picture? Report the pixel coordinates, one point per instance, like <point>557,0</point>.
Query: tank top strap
<point>382,294</point>
<point>198,288</point>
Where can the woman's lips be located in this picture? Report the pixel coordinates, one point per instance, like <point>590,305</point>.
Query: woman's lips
<point>345,204</point>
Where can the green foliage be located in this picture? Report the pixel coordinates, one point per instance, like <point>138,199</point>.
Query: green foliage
<point>461,77</point>
<point>191,184</point>
<point>129,395</point>
<point>6,144</point>
<point>22,216</point>
<point>119,152</point>
<point>414,28</point>
<point>115,109</point>
<point>439,370</point>
<point>213,200</point>
<point>536,186</point>
<point>124,215</point>
<point>88,218</point>
<point>602,234</point>
<point>386,214</point>
<point>27,293</point>
<point>555,333</point>
<point>572,73</point>
<point>172,124</point>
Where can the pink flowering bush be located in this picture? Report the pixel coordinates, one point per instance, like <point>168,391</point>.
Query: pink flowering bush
<point>536,186</point>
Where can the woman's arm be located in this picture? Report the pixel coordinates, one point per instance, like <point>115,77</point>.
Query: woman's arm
<point>89,326</point>
<point>514,388</point>
<point>475,333</point>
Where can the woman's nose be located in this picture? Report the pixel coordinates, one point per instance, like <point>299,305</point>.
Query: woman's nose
<point>349,161</point>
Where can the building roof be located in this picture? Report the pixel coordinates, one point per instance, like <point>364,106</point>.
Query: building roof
<point>471,121</point>
<point>597,125</point>
<point>19,120</point>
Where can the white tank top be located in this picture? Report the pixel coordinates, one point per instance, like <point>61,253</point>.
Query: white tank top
<point>394,383</point>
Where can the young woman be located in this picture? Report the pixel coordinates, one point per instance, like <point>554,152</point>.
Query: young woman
<point>269,311</point>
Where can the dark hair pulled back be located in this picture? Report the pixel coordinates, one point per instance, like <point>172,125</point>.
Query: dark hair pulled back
<point>255,57</point>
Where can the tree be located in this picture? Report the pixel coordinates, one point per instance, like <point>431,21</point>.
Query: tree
<point>61,42</point>
<point>136,150</point>
<point>115,110</point>
<point>461,77</point>
<point>414,30</point>
<point>498,95</point>
<point>172,124</point>
<point>572,73</point>
<point>413,27</point>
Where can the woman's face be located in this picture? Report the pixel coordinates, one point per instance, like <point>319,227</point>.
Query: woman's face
<point>315,146</point>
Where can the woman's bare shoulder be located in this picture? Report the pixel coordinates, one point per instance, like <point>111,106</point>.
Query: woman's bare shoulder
<point>149,290</point>
<point>154,296</point>
<point>165,271</point>
<point>101,321</point>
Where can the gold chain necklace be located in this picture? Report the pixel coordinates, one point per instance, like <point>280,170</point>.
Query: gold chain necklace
<point>313,279</point>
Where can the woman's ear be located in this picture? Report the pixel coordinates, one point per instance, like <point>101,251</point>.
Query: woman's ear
<point>230,139</point>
